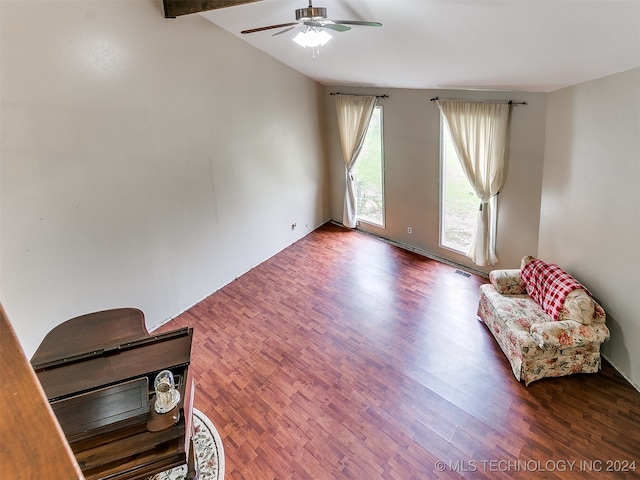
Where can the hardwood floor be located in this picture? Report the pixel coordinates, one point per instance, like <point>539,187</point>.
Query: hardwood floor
<point>344,357</point>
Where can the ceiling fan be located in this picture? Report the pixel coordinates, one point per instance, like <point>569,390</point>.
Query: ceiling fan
<point>314,19</point>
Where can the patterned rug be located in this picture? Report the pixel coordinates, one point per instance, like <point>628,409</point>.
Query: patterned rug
<point>209,452</point>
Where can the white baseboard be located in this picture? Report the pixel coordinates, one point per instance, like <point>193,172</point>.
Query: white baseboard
<point>621,372</point>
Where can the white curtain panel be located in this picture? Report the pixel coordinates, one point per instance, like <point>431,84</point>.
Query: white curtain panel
<point>354,114</point>
<point>479,133</point>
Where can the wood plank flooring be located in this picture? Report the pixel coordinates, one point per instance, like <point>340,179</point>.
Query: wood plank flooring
<point>344,357</point>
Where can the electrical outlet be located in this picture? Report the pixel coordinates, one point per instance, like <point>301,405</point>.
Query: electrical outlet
<point>409,230</point>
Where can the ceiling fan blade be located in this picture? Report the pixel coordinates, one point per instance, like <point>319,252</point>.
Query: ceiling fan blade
<point>357,22</point>
<point>286,30</point>
<point>336,26</point>
<point>261,29</point>
<point>331,26</point>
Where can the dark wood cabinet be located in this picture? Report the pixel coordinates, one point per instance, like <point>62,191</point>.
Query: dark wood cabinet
<point>97,372</point>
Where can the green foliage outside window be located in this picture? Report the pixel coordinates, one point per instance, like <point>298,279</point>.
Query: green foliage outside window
<point>460,203</point>
<point>368,172</point>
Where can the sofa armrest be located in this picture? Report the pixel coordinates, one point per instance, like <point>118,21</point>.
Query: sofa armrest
<point>567,334</point>
<point>507,281</point>
<point>582,308</point>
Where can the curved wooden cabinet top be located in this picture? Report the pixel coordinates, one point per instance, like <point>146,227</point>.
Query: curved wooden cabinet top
<point>87,333</point>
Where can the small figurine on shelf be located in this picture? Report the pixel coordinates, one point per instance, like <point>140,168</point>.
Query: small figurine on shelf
<point>167,397</point>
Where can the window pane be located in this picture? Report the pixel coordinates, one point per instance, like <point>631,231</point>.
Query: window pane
<point>459,203</point>
<point>368,172</point>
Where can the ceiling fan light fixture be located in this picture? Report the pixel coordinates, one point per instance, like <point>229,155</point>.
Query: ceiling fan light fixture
<point>312,37</point>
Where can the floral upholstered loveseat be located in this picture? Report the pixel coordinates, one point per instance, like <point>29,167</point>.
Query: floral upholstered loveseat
<point>546,323</point>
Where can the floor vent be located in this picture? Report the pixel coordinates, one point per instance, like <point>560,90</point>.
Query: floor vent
<point>464,274</point>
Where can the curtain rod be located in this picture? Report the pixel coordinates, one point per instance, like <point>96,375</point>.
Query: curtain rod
<point>355,95</point>
<point>510,102</point>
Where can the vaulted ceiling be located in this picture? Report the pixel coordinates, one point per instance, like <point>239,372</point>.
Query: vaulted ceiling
<point>521,45</point>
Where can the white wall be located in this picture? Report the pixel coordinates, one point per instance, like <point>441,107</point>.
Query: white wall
<point>412,169</point>
<point>590,214</point>
<point>146,161</point>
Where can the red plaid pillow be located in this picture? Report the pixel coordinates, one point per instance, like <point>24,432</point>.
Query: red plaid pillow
<point>548,285</point>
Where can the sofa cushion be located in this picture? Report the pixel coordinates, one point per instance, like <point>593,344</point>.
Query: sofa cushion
<point>510,317</point>
<point>549,285</point>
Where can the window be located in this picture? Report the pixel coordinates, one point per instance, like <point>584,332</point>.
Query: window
<point>369,173</point>
<point>458,202</point>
